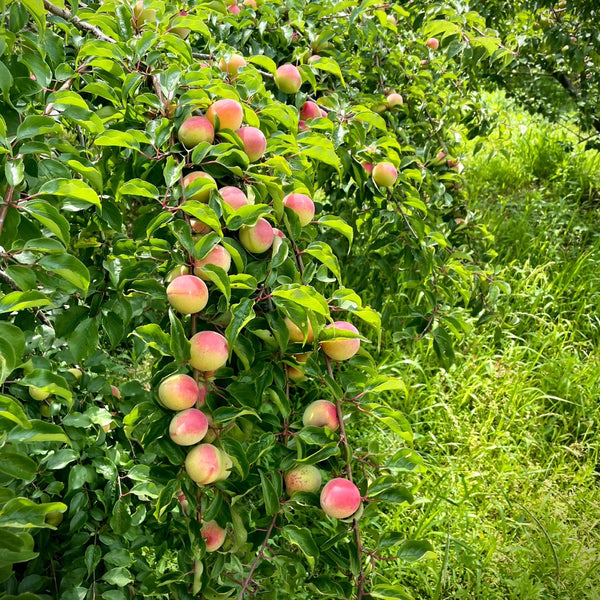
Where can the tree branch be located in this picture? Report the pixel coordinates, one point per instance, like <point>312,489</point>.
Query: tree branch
<point>77,22</point>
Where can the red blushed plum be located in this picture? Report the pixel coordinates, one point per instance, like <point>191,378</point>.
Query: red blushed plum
<point>433,43</point>
<point>187,294</point>
<point>234,197</point>
<point>305,478</point>
<point>296,334</point>
<point>209,351</point>
<point>115,391</point>
<point>323,113</point>
<point>203,463</point>
<point>342,348</point>
<point>394,99</point>
<point>226,114</point>
<point>234,9</point>
<point>254,141</point>
<point>178,392</point>
<point>203,389</point>
<point>288,79</point>
<point>368,167</point>
<point>278,237</point>
<point>321,413</point>
<point>218,256</point>
<point>188,427</point>
<point>384,174</point>
<point>203,193</point>
<point>302,126</point>
<point>340,498</point>
<point>257,238</point>
<point>313,58</point>
<point>213,535</point>
<point>195,130</point>
<point>302,205</point>
<point>310,110</point>
<point>232,65</point>
<point>251,3</point>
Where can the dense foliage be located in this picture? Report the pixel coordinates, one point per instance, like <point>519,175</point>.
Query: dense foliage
<point>96,215</point>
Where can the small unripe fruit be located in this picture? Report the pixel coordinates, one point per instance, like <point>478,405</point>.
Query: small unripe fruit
<point>340,498</point>
<point>305,478</point>
<point>226,114</point>
<point>321,413</point>
<point>385,174</point>
<point>178,392</point>
<point>38,394</point>
<point>368,167</point>
<point>433,43</point>
<point>115,391</point>
<point>195,130</point>
<point>199,227</point>
<point>302,205</point>
<point>202,194</point>
<point>213,535</point>
<point>254,141</point>
<point>203,463</point>
<point>209,351</point>
<point>296,334</point>
<point>288,79</point>
<point>233,196</point>
<point>394,99</point>
<point>257,238</point>
<point>77,373</point>
<point>232,65</point>
<point>187,294</point>
<point>188,427</point>
<point>218,256</point>
<point>177,271</point>
<point>310,110</point>
<point>295,374</point>
<point>342,348</point>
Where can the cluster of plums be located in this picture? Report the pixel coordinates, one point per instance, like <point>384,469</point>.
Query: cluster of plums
<point>209,350</point>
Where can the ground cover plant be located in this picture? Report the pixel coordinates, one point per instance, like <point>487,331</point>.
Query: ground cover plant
<point>186,191</point>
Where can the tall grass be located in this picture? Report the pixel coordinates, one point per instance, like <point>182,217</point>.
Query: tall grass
<point>509,433</point>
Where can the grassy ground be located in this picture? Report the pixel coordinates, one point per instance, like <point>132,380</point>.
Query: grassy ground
<point>511,500</point>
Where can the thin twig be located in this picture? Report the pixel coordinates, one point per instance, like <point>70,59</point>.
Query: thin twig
<point>77,22</point>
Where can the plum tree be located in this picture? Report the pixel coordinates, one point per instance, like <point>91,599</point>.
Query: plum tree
<point>209,351</point>
<point>257,238</point>
<point>302,205</point>
<point>178,392</point>
<point>225,114</point>
<point>213,534</point>
<point>202,194</point>
<point>217,256</point>
<point>303,478</point>
<point>188,427</point>
<point>254,141</point>
<point>187,294</point>
<point>341,348</point>
<point>195,130</point>
<point>288,78</point>
<point>340,498</point>
<point>321,413</point>
<point>234,197</point>
<point>384,174</point>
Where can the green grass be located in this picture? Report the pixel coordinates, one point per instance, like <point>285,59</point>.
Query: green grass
<point>511,499</point>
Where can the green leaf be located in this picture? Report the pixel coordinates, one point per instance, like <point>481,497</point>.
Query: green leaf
<point>38,12</point>
<point>33,125</point>
<point>12,347</point>
<point>180,345</point>
<point>48,216</point>
<point>16,301</point>
<point>49,382</point>
<point>390,592</point>
<point>264,62</point>
<point>247,215</point>
<point>413,550</point>
<point>337,224</point>
<point>241,314</point>
<point>155,338</point>
<point>73,189</point>
<point>83,342</point>
<point>323,253</point>
<point>22,512</point>
<point>6,81</point>
<point>69,268</point>
<point>304,296</point>
<point>329,65</point>
<point>17,466</point>
<point>302,538</point>
<point>14,170</point>
<point>11,410</point>
<point>269,494</point>
<point>39,431</point>
<point>203,213</point>
<point>138,187</point>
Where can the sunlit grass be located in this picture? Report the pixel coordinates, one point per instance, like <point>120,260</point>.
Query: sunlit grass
<point>511,500</point>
